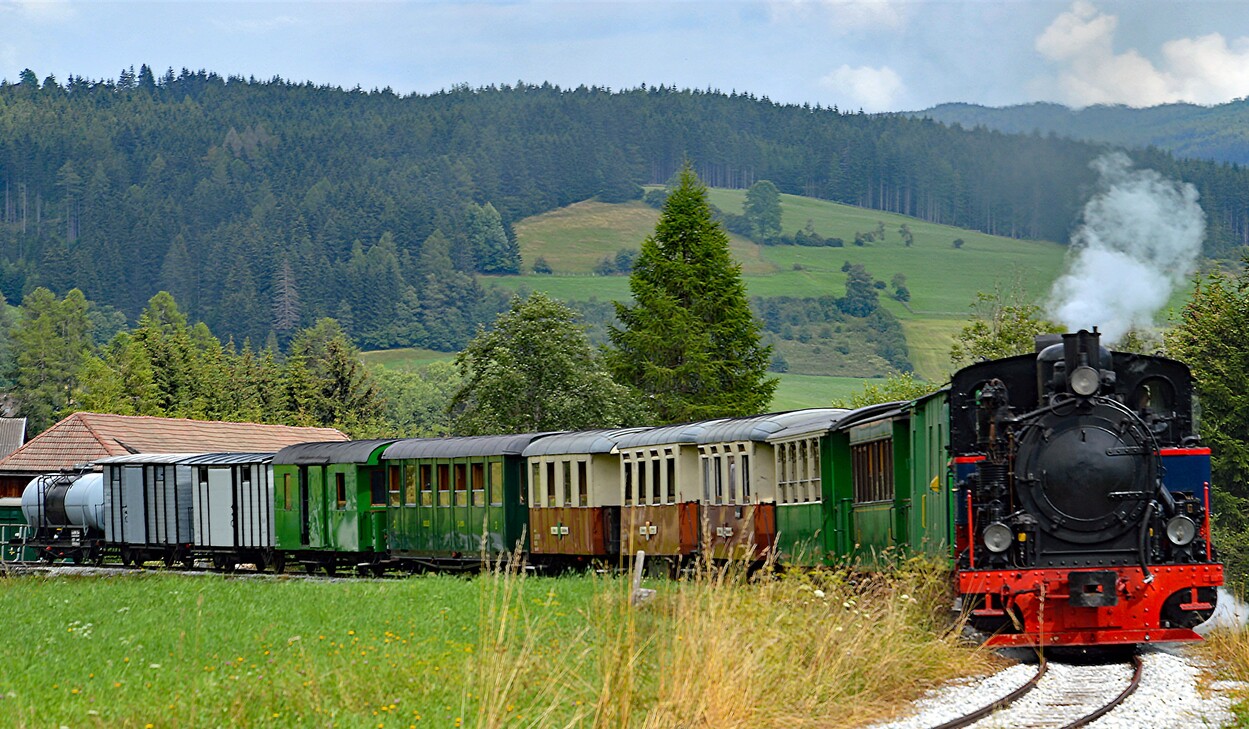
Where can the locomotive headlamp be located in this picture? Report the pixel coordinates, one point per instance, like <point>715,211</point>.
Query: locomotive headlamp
<point>998,537</point>
<point>1085,381</point>
<point>1181,530</point>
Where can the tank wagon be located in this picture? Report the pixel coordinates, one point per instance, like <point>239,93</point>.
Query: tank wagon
<point>64,517</point>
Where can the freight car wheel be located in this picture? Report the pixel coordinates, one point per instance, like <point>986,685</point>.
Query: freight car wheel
<point>170,560</point>
<point>279,563</point>
<point>97,556</point>
<point>331,569</point>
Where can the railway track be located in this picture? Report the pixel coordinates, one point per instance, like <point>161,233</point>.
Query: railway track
<point>1059,696</point>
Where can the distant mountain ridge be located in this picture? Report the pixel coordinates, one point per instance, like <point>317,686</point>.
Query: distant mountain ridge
<point>1217,133</point>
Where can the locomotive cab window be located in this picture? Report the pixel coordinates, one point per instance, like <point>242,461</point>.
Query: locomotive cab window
<point>1155,395</point>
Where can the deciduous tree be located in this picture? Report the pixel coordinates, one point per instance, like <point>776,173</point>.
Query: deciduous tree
<point>763,210</point>
<point>1003,325</point>
<point>535,371</point>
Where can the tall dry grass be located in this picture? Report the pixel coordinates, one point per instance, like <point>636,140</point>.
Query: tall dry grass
<point>721,648</point>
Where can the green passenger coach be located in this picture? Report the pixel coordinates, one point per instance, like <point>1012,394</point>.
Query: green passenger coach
<point>446,494</point>
<point>330,504</point>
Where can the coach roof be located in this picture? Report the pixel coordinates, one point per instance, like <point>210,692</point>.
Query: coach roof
<point>324,453</point>
<point>475,446</point>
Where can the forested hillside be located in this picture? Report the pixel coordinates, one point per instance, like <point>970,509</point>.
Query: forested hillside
<point>264,205</point>
<point>1219,133</point>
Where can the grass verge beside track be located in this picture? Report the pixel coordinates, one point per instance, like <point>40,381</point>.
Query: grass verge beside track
<point>151,650</point>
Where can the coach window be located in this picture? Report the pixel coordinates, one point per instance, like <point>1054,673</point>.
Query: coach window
<point>732,461</point>
<point>566,468</point>
<point>396,488</point>
<point>444,484</point>
<point>461,484</point>
<point>426,477</point>
<point>873,471</point>
<point>642,481</point>
<point>495,487</point>
<point>340,486</point>
<point>627,466</point>
<point>409,485</point>
<point>671,461</point>
<point>656,478</point>
<point>535,484</point>
<point>583,479</point>
<point>550,484</point>
<point>477,474</point>
<point>745,478</point>
<point>720,479</point>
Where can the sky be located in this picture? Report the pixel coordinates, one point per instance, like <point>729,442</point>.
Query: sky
<point>875,55</point>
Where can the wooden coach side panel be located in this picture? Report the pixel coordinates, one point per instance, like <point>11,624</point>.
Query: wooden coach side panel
<point>661,530</point>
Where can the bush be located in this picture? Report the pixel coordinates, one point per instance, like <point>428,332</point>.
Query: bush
<point>541,266</point>
<point>655,198</point>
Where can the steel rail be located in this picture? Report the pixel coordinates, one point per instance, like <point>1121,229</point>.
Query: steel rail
<point>1138,668</point>
<point>1007,700</point>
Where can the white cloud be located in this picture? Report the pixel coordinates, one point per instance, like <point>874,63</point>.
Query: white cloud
<point>872,88</point>
<point>843,16</point>
<point>1202,70</point>
<point>256,25</point>
<point>43,11</point>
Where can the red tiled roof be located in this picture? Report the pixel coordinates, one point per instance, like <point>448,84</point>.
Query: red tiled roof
<point>84,437</point>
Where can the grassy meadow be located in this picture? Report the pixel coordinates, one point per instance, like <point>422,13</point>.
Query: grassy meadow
<point>152,650</point>
<point>943,280</point>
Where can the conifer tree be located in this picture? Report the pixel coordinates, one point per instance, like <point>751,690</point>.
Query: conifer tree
<point>690,342</point>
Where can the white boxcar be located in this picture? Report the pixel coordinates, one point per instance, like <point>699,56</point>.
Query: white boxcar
<point>147,506</point>
<point>232,507</point>
<point>179,506</point>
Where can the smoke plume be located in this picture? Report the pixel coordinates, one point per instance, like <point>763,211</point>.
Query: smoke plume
<point>1139,239</point>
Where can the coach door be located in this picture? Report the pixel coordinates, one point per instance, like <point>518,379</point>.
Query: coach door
<point>304,526</point>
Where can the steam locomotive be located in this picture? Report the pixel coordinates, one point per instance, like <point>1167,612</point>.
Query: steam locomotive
<point>1066,487</point>
<point>1083,497</point>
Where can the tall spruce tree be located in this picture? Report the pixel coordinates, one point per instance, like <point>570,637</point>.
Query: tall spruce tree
<point>690,341</point>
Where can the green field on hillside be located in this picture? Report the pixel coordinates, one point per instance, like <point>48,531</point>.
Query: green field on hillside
<point>943,280</point>
<point>794,391</point>
<point>408,358</point>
